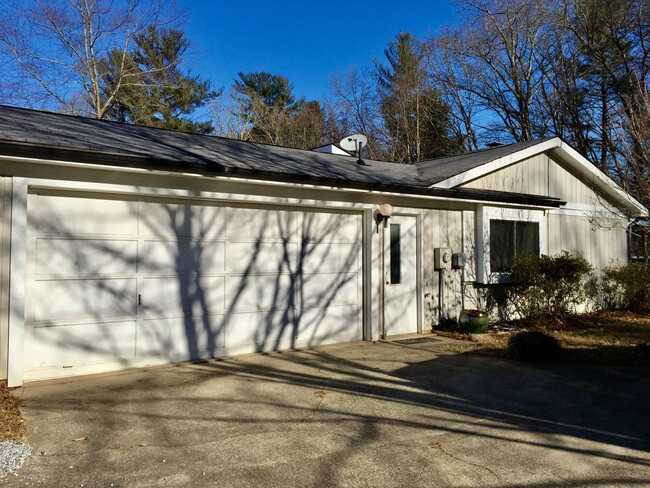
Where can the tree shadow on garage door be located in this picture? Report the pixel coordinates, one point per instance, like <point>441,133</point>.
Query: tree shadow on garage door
<point>119,279</point>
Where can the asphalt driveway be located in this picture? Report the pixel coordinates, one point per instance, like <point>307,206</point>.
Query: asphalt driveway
<point>384,414</point>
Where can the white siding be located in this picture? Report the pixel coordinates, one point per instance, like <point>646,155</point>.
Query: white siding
<point>442,228</point>
<point>602,241</point>
<point>539,175</point>
<point>5,245</point>
<point>528,176</point>
<point>567,187</point>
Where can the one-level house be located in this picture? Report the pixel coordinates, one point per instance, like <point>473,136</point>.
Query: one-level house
<point>125,246</point>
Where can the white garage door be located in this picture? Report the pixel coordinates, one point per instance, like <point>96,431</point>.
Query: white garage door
<point>114,283</point>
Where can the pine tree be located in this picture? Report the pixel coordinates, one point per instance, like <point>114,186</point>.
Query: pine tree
<point>416,120</point>
<point>154,90</point>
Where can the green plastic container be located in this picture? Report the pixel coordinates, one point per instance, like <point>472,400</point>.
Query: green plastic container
<point>473,321</point>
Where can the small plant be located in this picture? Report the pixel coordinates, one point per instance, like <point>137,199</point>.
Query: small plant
<point>533,345</point>
<point>628,286</point>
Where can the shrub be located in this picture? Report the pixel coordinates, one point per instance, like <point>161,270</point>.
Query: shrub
<point>533,345</point>
<point>627,286</point>
<point>547,286</point>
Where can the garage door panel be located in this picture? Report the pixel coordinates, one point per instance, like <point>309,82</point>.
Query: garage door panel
<point>81,299</point>
<point>85,257</point>
<point>257,224</point>
<point>318,325</point>
<point>325,289</point>
<point>330,227</point>
<point>260,331</point>
<point>264,257</point>
<point>183,295</point>
<point>81,216</point>
<point>331,257</point>
<point>181,221</point>
<point>183,256</point>
<point>68,345</point>
<point>179,337</point>
<point>259,292</point>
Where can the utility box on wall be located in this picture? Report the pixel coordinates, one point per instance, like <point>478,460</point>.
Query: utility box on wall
<point>442,258</point>
<point>458,260</point>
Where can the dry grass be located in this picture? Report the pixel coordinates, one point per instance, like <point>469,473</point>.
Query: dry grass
<point>612,338</point>
<point>12,426</point>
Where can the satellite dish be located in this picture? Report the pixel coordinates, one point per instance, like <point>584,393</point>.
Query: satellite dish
<point>352,143</point>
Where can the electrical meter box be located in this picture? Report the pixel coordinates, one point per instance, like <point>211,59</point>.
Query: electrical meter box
<point>458,260</point>
<point>442,258</point>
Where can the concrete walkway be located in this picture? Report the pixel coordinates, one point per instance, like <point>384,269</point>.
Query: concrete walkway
<point>384,414</point>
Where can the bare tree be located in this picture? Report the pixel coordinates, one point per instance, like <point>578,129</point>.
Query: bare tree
<point>613,48</point>
<point>229,118</point>
<point>634,140</point>
<point>353,107</point>
<point>497,66</point>
<point>457,88</point>
<point>53,50</point>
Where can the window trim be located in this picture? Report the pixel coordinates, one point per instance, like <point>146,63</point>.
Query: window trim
<point>485,215</point>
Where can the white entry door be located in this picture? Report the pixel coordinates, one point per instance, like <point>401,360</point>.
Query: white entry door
<point>400,276</point>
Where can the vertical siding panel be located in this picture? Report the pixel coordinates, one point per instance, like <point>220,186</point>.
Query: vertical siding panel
<point>5,262</point>
<point>428,243</point>
<point>435,242</point>
<point>551,235</point>
<point>538,175</point>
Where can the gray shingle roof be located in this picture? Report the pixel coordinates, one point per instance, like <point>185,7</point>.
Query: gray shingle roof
<point>437,170</point>
<point>50,135</point>
<point>202,152</point>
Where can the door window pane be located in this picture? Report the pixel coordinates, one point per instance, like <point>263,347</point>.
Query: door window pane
<point>395,255</point>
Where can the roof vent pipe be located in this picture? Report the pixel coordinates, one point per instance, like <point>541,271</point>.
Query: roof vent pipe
<point>360,161</point>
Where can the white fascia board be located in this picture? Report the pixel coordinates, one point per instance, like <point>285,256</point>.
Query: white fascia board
<point>260,183</point>
<point>600,179</point>
<point>497,164</point>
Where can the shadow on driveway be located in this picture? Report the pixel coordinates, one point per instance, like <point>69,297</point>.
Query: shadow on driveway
<point>385,414</point>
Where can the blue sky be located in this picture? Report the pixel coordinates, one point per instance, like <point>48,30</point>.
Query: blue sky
<point>304,41</point>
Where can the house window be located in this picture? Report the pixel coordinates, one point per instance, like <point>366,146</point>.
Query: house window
<point>510,238</point>
<point>640,242</point>
<point>395,255</point>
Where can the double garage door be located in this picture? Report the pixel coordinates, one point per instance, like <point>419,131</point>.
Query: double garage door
<point>114,281</point>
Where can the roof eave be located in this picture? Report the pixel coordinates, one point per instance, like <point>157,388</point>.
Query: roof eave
<point>212,168</point>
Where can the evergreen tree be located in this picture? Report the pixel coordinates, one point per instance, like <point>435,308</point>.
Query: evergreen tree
<point>267,102</point>
<point>415,119</point>
<point>268,106</point>
<point>154,91</point>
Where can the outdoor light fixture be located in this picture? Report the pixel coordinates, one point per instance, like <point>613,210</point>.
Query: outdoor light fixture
<point>382,214</point>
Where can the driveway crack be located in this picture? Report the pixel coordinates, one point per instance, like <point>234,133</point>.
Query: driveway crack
<point>453,456</point>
